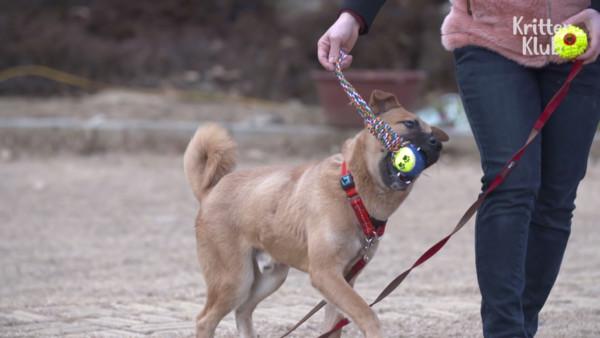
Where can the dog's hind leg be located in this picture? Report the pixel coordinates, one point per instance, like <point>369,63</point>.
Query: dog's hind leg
<point>228,284</point>
<point>268,277</point>
<point>332,317</point>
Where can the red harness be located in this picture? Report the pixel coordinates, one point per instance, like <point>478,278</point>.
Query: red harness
<point>372,228</point>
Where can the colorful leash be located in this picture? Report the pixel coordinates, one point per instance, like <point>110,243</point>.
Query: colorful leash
<point>381,130</point>
<point>392,141</point>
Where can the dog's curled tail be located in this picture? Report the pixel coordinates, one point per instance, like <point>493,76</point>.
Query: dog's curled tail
<point>210,155</point>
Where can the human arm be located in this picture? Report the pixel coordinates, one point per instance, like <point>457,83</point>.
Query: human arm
<point>356,16</point>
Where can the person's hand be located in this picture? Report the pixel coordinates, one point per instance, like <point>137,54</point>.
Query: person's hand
<point>341,35</point>
<point>591,19</point>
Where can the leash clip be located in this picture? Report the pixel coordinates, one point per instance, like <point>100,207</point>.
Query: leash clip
<point>368,244</point>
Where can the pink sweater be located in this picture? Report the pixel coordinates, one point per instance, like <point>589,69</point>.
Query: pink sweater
<point>520,30</point>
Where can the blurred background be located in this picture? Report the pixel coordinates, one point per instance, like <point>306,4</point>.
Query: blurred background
<point>257,48</point>
<point>100,65</point>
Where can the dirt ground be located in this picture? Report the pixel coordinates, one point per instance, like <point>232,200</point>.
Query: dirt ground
<point>103,246</point>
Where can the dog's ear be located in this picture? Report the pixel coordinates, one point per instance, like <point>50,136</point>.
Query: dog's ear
<point>381,101</point>
<point>439,134</point>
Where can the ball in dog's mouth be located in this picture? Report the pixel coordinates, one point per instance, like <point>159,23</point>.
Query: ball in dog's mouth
<point>394,178</point>
<point>409,160</point>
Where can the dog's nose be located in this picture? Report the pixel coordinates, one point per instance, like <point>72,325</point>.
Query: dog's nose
<point>435,143</point>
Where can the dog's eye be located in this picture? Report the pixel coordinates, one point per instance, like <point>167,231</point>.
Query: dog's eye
<point>409,124</point>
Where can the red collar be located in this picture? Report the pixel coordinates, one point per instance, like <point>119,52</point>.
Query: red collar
<point>371,227</point>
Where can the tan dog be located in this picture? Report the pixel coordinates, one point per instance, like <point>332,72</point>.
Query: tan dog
<point>254,224</point>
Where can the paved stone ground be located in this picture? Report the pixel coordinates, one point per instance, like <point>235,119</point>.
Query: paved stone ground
<point>96,234</point>
<point>103,246</point>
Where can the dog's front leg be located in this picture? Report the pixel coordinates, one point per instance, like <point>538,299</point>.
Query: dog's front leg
<point>331,283</point>
<point>334,316</point>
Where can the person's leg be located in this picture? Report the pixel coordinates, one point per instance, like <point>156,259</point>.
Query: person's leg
<point>566,142</point>
<point>502,102</point>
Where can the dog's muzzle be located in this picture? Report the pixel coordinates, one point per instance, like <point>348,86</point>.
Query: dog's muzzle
<point>427,146</point>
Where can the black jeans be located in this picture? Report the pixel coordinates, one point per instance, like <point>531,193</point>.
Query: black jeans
<point>523,226</point>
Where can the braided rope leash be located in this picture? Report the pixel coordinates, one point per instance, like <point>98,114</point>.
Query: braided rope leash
<point>406,157</point>
<point>381,130</point>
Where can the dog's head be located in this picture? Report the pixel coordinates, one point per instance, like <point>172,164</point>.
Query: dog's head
<point>408,126</point>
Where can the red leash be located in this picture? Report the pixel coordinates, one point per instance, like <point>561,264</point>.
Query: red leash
<point>539,124</point>
<point>508,167</point>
